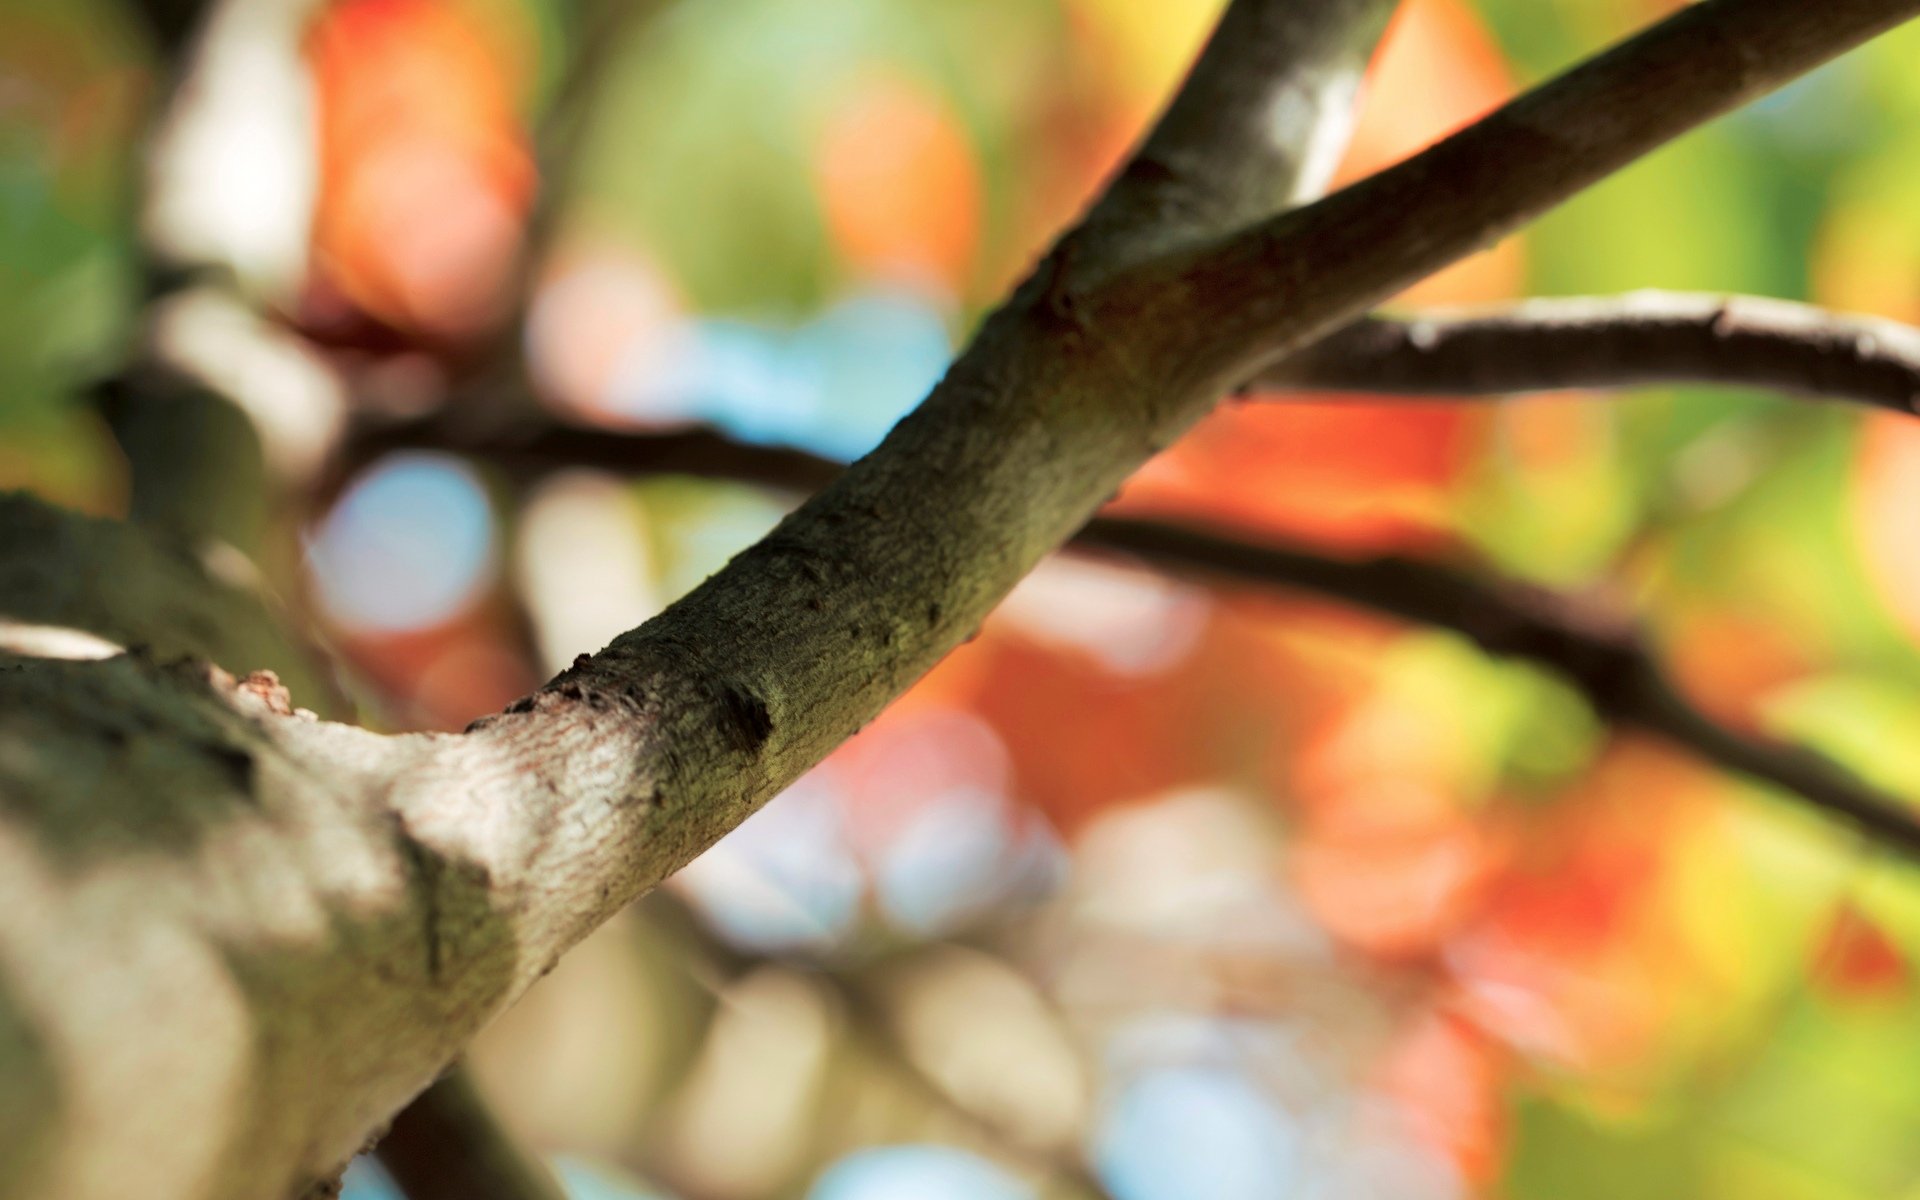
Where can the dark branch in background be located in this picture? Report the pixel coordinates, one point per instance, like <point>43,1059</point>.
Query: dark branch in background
<point>447,1146</point>
<point>1615,341</point>
<point>1606,661</point>
<point>171,24</point>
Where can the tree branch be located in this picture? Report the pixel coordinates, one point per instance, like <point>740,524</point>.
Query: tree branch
<point>446,1145</point>
<point>1606,660</point>
<point>336,912</point>
<point>1271,289</point>
<point>1640,339</point>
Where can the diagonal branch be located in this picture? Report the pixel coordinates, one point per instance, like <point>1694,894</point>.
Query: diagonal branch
<point>1606,660</point>
<point>1643,338</point>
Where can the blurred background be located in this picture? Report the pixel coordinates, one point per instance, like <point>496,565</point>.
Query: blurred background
<point>1150,891</point>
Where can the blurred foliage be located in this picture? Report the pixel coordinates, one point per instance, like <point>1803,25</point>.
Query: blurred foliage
<point>1195,895</point>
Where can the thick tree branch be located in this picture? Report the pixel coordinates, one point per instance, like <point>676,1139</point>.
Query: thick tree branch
<point>1640,339</point>
<point>337,912</point>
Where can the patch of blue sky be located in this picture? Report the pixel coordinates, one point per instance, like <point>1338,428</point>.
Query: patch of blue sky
<point>877,355</point>
<point>834,385</point>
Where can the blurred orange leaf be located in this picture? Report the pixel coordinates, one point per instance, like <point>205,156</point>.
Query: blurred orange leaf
<point>1356,475</point>
<point>1856,960</point>
<point>426,178</point>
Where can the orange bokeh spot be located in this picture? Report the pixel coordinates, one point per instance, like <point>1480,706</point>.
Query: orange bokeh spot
<point>1437,70</point>
<point>1730,664</point>
<point>900,184</point>
<point>445,675</point>
<point>425,177</point>
<point>1388,857</point>
<point>1559,965</point>
<point>1395,894</point>
<point>1082,738</point>
<point>1856,960</point>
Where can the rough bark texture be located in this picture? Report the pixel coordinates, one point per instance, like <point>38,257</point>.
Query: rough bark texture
<point>234,940</point>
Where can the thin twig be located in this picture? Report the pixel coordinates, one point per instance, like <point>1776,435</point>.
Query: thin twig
<point>1643,338</point>
<point>603,30</point>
